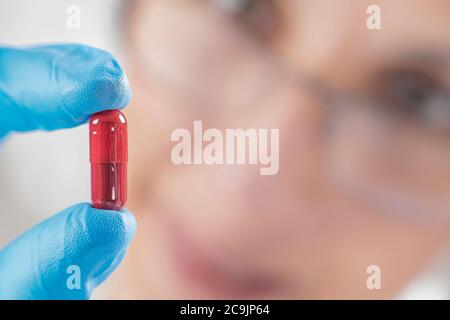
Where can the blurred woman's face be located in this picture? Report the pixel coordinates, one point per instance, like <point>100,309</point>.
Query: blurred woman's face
<point>364,173</point>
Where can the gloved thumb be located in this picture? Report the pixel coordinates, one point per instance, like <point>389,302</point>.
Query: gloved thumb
<point>66,256</point>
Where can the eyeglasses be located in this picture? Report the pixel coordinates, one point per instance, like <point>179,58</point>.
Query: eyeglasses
<point>388,145</point>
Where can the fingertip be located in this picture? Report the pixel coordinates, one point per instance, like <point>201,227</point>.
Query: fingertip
<point>114,228</point>
<point>98,239</point>
<point>97,83</point>
<point>65,85</point>
<point>109,84</point>
<point>80,242</point>
<point>110,233</point>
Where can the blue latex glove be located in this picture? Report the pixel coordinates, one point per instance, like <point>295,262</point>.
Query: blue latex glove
<point>71,253</point>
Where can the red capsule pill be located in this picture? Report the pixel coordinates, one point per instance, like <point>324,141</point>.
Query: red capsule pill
<point>108,140</point>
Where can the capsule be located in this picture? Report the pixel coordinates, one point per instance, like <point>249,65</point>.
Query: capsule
<point>108,139</point>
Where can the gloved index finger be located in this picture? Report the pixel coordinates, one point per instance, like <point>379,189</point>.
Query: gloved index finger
<point>59,86</point>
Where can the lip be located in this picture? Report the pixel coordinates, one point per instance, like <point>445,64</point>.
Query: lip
<point>199,267</point>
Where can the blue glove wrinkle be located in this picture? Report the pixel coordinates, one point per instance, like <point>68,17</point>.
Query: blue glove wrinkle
<point>34,266</point>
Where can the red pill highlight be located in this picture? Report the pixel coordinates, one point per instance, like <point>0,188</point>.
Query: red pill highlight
<point>108,139</point>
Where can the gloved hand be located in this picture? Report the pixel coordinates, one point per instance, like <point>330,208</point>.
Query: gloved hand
<point>71,253</point>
